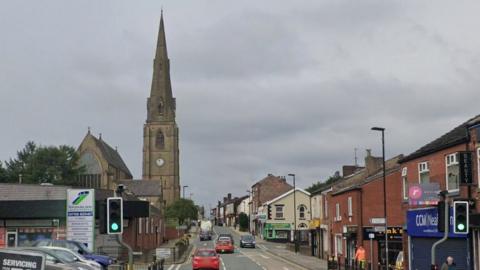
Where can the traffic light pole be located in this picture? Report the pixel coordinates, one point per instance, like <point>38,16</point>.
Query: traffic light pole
<point>120,240</point>
<point>445,235</point>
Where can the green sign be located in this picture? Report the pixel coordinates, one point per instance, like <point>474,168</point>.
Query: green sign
<point>278,226</point>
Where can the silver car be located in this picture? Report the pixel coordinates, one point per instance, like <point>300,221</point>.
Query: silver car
<point>55,260</point>
<point>76,256</point>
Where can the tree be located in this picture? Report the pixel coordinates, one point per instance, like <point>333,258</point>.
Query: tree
<point>243,222</point>
<point>182,210</point>
<point>44,164</point>
<point>332,179</point>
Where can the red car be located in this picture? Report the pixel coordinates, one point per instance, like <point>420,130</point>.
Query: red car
<point>224,246</point>
<point>205,259</point>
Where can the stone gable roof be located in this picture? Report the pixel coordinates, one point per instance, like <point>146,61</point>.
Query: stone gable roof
<point>454,137</point>
<point>143,188</point>
<point>111,155</point>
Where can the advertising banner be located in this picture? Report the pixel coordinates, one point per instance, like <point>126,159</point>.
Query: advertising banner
<point>423,194</point>
<point>81,216</point>
<point>423,223</point>
<point>15,260</point>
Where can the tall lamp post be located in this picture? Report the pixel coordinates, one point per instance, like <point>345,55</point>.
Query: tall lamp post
<point>294,212</point>
<point>384,192</point>
<point>184,187</point>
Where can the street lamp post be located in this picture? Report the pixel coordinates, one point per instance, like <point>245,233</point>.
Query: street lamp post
<point>294,212</point>
<point>249,210</point>
<point>384,193</point>
<point>184,187</point>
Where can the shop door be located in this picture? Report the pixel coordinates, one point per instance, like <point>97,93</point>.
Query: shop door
<point>11,239</point>
<point>457,248</point>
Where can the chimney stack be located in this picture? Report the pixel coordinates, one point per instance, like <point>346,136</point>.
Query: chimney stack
<point>372,164</point>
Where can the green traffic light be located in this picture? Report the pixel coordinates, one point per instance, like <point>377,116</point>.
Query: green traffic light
<point>461,226</point>
<point>114,226</point>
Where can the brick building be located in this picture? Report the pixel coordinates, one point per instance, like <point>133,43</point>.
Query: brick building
<point>438,162</point>
<point>265,190</point>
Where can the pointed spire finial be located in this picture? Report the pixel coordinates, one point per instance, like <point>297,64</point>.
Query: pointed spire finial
<point>99,136</point>
<point>88,132</point>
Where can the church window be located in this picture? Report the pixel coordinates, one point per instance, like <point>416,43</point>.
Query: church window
<point>160,140</point>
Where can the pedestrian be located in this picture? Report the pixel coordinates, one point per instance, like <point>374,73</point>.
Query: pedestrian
<point>449,264</point>
<point>360,256</point>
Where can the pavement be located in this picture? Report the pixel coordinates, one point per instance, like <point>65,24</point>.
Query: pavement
<point>266,256</point>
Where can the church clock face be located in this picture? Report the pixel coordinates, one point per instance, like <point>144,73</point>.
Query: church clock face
<point>160,162</point>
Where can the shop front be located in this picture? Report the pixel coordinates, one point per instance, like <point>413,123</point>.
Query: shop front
<point>278,232</point>
<point>316,241</point>
<point>423,233</point>
<point>350,236</point>
<point>375,237</point>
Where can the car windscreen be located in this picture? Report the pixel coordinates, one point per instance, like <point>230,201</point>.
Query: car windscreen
<point>247,238</point>
<point>85,248</point>
<point>205,253</point>
<point>224,242</point>
<point>64,255</point>
<point>224,239</point>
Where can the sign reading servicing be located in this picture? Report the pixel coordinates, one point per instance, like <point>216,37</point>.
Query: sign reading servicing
<point>81,216</point>
<point>423,223</point>
<point>423,194</point>
<point>15,260</point>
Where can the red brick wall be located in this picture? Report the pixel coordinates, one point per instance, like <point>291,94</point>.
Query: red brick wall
<point>144,241</point>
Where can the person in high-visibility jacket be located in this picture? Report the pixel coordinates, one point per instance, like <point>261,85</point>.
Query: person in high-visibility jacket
<point>360,256</point>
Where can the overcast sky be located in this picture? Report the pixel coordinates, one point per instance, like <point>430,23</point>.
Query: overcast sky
<point>262,86</point>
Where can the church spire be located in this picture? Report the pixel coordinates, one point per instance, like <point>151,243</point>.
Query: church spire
<point>161,104</point>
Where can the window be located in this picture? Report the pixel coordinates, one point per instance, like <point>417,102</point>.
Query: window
<point>140,226</point>
<point>338,244</point>
<point>147,223</point>
<point>270,233</point>
<point>350,207</point>
<point>453,172</point>
<point>423,173</point>
<point>278,211</point>
<point>301,211</point>
<point>326,208</point>
<point>160,140</point>
<point>338,217</point>
<point>404,183</point>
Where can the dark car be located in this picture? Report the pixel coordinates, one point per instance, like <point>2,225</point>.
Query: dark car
<point>225,235</point>
<point>80,248</point>
<point>247,241</point>
<point>205,235</point>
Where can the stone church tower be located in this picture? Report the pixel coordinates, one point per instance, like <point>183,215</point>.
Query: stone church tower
<point>160,132</point>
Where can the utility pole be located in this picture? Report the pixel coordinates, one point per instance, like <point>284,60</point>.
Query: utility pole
<point>294,213</point>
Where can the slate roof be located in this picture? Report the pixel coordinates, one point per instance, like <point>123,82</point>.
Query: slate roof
<point>111,155</point>
<point>454,137</point>
<point>143,188</point>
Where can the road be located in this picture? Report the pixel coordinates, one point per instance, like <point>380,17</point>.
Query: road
<point>242,258</point>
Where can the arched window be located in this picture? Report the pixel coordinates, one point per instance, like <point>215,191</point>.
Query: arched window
<point>160,140</point>
<point>301,211</point>
<point>160,106</point>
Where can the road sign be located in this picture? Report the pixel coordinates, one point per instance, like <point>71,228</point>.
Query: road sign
<point>21,260</point>
<point>378,229</point>
<point>377,220</point>
<point>163,253</point>
<point>81,216</point>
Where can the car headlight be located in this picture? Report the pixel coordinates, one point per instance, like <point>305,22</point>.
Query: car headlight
<point>253,242</point>
<point>110,261</point>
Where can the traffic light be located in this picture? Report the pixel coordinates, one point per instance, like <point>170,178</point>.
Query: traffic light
<point>269,212</point>
<point>114,215</point>
<point>460,217</point>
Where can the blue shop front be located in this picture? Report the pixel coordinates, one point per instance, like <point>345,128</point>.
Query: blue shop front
<point>423,233</point>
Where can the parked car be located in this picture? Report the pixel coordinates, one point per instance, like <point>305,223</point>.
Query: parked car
<point>50,262</point>
<point>226,235</point>
<point>80,248</point>
<point>61,260</point>
<point>77,256</point>
<point>224,246</point>
<point>205,235</point>
<point>205,259</point>
<point>247,241</point>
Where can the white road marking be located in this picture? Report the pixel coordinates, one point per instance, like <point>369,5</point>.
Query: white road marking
<point>263,256</point>
<point>171,267</point>
<point>223,264</point>
<point>285,268</point>
<point>178,267</point>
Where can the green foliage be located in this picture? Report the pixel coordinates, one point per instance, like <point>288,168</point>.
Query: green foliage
<point>243,222</point>
<point>319,185</point>
<point>182,210</point>
<point>43,164</point>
